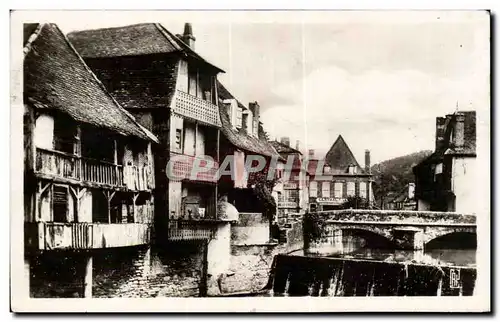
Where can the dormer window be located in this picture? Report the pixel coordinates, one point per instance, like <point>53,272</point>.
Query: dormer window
<point>239,117</point>
<point>326,169</point>
<point>352,169</point>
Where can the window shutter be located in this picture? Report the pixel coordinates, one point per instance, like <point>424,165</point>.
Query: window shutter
<point>60,203</point>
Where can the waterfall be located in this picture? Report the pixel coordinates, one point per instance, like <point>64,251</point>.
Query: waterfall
<point>322,276</point>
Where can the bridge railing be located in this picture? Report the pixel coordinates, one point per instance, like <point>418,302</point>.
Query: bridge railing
<point>396,216</point>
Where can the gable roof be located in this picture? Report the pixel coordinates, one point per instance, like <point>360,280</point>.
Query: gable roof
<point>340,157</point>
<point>56,77</point>
<point>131,40</point>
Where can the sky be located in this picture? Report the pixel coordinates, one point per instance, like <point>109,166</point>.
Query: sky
<point>379,80</point>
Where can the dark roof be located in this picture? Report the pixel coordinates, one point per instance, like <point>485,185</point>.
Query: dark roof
<point>340,157</point>
<point>132,40</point>
<point>401,196</point>
<point>242,140</point>
<point>56,77</point>
<point>153,86</point>
<point>283,148</point>
<point>285,151</point>
<point>448,148</point>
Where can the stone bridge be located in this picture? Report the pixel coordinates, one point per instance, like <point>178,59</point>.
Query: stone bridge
<point>401,229</point>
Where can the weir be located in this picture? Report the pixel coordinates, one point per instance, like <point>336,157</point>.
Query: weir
<point>323,276</point>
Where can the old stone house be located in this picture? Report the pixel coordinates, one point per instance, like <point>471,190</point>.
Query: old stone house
<point>404,199</point>
<point>88,170</point>
<point>446,180</point>
<point>337,177</point>
<point>292,193</point>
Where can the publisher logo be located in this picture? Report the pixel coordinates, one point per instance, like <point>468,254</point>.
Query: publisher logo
<point>454,278</point>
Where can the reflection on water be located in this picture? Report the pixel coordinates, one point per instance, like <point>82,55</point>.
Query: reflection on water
<point>363,247</point>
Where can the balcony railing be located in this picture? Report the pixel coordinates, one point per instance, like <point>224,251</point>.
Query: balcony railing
<point>191,230</point>
<point>182,167</point>
<point>195,108</point>
<point>69,166</point>
<point>51,235</point>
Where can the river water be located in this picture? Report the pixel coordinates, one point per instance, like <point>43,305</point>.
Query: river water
<point>361,271</point>
<point>439,257</point>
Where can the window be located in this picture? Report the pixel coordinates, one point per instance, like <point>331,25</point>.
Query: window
<point>438,171</point>
<point>292,195</point>
<point>439,168</point>
<point>326,169</point>
<point>351,189</point>
<point>99,207</point>
<point>60,204</point>
<point>244,122</point>
<point>239,116</point>
<point>339,187</point>
<point>193,81</point>
<point>313,189</point>
<point>362,189</point>
<point>325,189</point>
<point>183,76</point>
<point>64,134</point>
<point>178,139</point>
<point>352,169</point>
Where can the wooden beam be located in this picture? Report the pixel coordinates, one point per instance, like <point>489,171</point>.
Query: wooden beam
<point>195,136</point>
<point>218,146</point>
<point>78,194</point>
<point>109,195</point>
<point>134,199</point>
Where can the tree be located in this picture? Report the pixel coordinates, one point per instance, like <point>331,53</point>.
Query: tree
<point>263,188</point>
<point>355,202</point>
<point>383,186</point>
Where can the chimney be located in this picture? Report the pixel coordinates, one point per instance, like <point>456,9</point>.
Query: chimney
<point>459,136</point>
<point>297,145</point>
<point>188,37</point>
<point>440,131</point>
<point>255,109</point>
<point>311,153</point>
<point>411,190</point>
<point>285,140</point>
<point>367,161</point>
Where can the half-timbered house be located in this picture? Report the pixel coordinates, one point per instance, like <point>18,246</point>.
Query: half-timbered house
<point>88,166</point>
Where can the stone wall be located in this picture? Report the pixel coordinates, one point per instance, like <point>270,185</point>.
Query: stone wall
<point>250,265</point>
<point>251,229</point>
<point>128,272</point>
<point>56,274</point>
<point>147,272</point>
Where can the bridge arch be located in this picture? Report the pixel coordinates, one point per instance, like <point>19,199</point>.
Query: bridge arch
<point>366,237</point>
<point>454,239</point>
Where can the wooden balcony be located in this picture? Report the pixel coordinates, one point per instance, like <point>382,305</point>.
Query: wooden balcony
<point>191,230</point>
<point>197,109</point>
<point>51,235</point>
<point>182,168</point>
<point>61,165</point>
